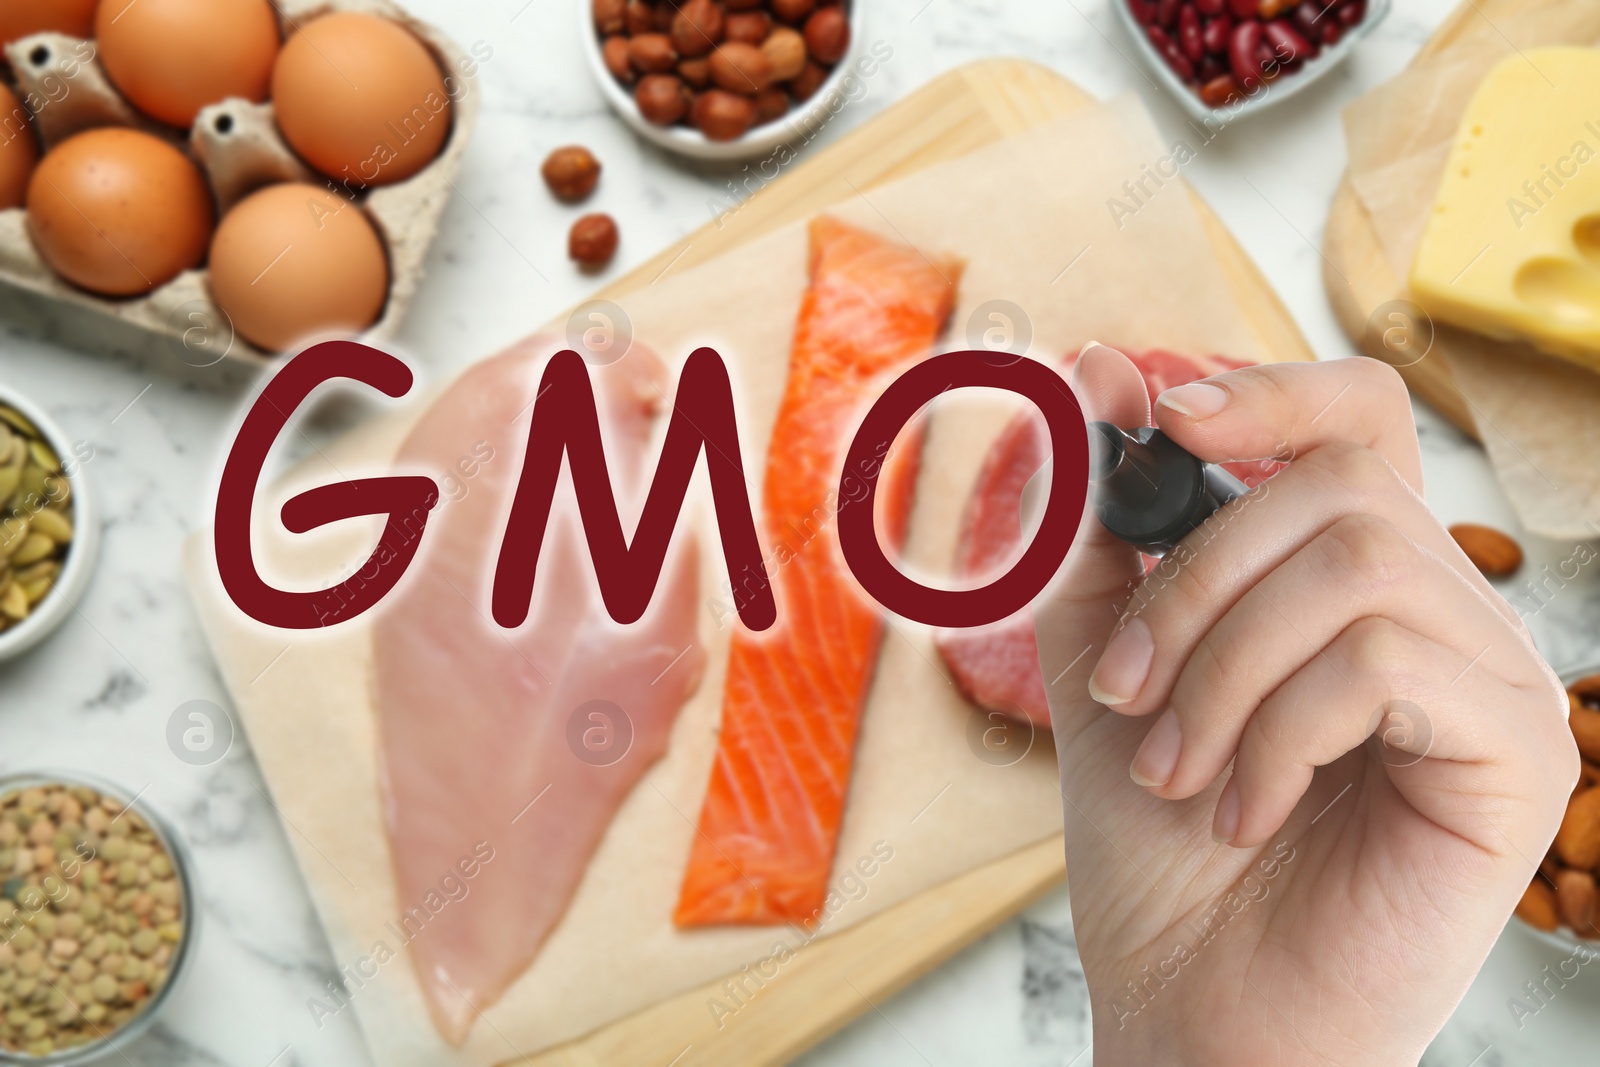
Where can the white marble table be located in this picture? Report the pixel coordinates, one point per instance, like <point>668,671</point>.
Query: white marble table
<point>98,696</point>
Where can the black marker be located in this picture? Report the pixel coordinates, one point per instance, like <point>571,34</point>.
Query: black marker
<point>1148,490</point>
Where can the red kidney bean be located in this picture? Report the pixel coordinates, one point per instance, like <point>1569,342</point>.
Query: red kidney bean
<point>1242,47</point>
<point>1210,7</point>
<point>1166,13</point>
<point>1170,52</point>
<point>1189,34</point>
<point>1144,11</point>
<point>1287,44</point>
<point>1209,69</point>
<point>1216,33</point>
<point>1267,61</point>
<point>1178,62</point>
<point>1306,18</point>
<point>1352,12</point>
<point>1331,32</point>
<point>1244,9</point>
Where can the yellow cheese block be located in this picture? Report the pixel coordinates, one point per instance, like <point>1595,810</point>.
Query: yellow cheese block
<point>1512,246</point>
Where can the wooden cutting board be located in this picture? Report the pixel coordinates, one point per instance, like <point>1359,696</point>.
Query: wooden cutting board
<point>1355,272</point>
<point>837,978</point>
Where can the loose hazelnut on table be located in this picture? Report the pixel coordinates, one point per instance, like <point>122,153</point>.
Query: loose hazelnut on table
<point>571,172</point>
<point>593,241</point>
<point>662,98</point>
<point>723,116</point>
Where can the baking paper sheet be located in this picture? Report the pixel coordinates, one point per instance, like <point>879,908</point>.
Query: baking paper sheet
<point>1031,217</point>
<point>1535,414</point>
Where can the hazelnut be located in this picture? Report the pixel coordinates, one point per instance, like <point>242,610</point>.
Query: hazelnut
<point>697,27</point>
<point>723,116</point>
<point>609,16</point>
<point>697,72</point>
<point>751,27</point>
<point>615,54</point>
<point>793,11</point>
<point>662,98</point>
<point>662,16</point>
<point>741,68</point>
<point>652,53</point>
<point>805,85</point>
<point>771,104</point>
<point>641,16</point>
<point>785,50</point>
<point>592,241</point>
<point>828,35</point>
<point>571,172</point>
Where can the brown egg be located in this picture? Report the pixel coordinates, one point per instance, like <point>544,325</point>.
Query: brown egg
<point>19,150</point>
<point>360,99</point>
<point>22,18</point>
<point>292,261</point>
<point>119,212</point>
<point>171,58</point>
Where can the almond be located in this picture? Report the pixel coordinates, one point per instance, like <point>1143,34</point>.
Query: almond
<point>1575,898</point>
<point>1537,907</point>
<point>1491,551</point>
<point>1578,840</point>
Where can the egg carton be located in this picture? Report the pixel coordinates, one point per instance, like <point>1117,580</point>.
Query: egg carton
<point>238,146</point>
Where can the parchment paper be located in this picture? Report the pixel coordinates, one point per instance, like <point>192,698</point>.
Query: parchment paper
<point>1030,217</point>
<point>1536,414</point>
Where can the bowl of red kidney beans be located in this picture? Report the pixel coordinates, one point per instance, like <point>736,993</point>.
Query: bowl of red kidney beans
<point>1231,57</point>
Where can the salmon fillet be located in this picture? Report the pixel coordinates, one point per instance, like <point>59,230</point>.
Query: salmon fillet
<point>997,666</point>
<point>794,694</point>
<point>497,779</point>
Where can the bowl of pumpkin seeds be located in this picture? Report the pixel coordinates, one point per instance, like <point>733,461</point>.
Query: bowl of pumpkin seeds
<point>48,533</point>
<point>96,918</point>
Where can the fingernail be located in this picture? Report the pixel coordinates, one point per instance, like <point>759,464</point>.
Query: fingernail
<point>1124,665</point>
<point>1226,822</point>
<point>1157,757</point>
<point>1087,346</point>
<point>1196,400</point>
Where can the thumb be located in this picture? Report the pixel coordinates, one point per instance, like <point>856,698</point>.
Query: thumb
<point>1075,614</point>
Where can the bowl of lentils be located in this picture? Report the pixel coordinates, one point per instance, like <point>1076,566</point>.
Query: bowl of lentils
<point>96,921</point>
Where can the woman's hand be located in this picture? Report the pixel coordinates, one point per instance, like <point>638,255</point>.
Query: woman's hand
<point>1311,761</point>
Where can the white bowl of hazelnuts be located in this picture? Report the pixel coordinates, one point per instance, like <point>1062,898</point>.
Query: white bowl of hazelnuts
<point>724,79</point>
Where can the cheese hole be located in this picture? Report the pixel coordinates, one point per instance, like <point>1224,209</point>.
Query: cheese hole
<point>1586,235</point>
<point>1563,288</point>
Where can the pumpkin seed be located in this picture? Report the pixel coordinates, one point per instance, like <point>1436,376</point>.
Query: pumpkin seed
<point>36,524</point>
<point>18,421</point>
<point>14,601</point>
<point>53,525</point>
<point>34,547</point>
